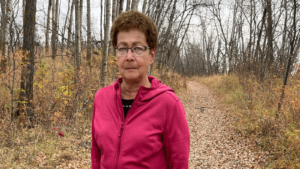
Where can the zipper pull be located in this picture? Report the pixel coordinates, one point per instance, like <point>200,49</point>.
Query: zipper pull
<point>121,130</point>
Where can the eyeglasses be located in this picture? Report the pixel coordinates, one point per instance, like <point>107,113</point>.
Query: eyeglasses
<point>136,50</point>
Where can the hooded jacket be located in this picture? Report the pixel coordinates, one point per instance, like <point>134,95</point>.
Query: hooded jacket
<point>154,134</point>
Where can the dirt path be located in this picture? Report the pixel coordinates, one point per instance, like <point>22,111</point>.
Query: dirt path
<point>214,144</point>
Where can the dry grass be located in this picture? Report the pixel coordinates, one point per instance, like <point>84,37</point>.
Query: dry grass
<point>255,107</point>
<point>59,105</point>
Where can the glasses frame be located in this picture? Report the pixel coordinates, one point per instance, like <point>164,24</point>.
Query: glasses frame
<point>145,47</point>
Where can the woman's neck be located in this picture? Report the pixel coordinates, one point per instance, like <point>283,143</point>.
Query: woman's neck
<point>130,90</point>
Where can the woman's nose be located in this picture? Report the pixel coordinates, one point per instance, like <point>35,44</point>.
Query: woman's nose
<point>129,54</point>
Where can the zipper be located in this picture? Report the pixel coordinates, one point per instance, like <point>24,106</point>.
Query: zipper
<point>123,124</point>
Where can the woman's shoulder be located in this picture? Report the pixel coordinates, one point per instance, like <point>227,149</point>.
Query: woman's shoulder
<point>105,91</point>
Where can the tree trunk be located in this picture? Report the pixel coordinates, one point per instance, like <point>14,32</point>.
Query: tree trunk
<point>117,8</point>
<point>270,34</point>
<point>77,38</point>
<point>269,57</point>
<point>114,7</point>
<point>121,6</point>
<point>259,37</point>
<point>6,35</point>
<point>26,88</point>
<point>2,33</point>
<point>88,52</point>
<point>80,26</point>
<point>134,5</point>
<point>70,24</point>
<point>54,28</point>
<point>48,25</point>
<point>128,5</point>
<point>106,45</point>
<point>282,50</point>
<point>144,6</point>
<point>64,29</point>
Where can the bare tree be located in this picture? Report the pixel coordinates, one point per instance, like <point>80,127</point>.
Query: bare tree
<point>134,5</point>
<point>144,6</point>
<point>6,35</point>
<point>88,52</point>
<point>77,37</point>
<point>48,26</point>
<point>80,24</point>
<point>70,24</point>
<point>128,5</point>
<point>121,6</point>
<point>54,28</point>
<point>114,10</point>
<point>2,31</point>
<point>26,87</point>
<point>106,45</point>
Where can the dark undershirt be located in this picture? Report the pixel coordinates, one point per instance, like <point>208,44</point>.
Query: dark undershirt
<point>126,105</point>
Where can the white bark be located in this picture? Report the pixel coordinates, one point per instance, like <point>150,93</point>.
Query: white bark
<point>134,5</point>
<point>114,7</point>
<point>88,52</point>
<point>48,25</point>
<point>144,6</point>
<point>106,44</point>
<point>121,6</point>
<point>128,5</point>
<point>80,24</point>
<point>77,36</point>
<point>6,35</point>
<point>70,24</point>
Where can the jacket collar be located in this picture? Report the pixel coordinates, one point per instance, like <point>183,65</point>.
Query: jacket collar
<point>146,93</point>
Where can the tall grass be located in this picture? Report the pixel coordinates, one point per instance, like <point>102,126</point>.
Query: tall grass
<point>255,105</point>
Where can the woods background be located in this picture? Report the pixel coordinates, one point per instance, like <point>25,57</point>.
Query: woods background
<point>56,54</point>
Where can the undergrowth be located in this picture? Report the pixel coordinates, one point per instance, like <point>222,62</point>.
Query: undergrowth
<point>255,105</point>
<point>61,137</point>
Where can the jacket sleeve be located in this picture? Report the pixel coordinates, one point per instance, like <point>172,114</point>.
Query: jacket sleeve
<point>95,150</point>
<point>176,138</point>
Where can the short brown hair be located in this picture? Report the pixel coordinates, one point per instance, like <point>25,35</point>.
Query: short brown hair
<point>135,20</point>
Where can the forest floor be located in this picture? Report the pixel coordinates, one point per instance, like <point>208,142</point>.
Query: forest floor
<point>214,142</point>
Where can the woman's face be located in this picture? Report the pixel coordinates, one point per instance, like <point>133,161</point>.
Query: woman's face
<point>134,68</point>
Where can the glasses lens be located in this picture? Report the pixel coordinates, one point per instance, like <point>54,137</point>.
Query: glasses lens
<point>138,50</point>
<point>121,50</point>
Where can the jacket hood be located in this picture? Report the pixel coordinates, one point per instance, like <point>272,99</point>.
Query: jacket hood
<point>145,93</point>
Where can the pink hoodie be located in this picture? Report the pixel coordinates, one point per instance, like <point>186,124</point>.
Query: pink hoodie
<point>153,135</point>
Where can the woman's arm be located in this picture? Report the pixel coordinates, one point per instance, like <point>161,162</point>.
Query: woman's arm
<point>176,138</point>
<point>95,150</point>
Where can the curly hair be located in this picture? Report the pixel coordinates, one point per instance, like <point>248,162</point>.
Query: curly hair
<point>135,20</point>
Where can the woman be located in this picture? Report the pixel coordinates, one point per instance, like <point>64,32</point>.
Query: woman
<point>138,122</point>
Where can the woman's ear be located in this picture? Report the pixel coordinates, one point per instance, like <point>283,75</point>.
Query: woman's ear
<point>152,55</point>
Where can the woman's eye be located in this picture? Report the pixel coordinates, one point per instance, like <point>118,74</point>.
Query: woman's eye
<point>138,48</point>
<point>122,49</point>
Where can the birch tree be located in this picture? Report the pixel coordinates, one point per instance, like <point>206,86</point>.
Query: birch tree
<point>134,5</point>
<point>121,6</point>
<point>106,44</point>
<point>70,24</point>
<point>128,5</point>
<point>8,18</point>
<point>144,6</point>
<point>48,25</point>
<point>88,52</point>
<point>54,28</point>
<point>77,36</point>
<point>114,10</point>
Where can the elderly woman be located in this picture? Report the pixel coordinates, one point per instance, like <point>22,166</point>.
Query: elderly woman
<point>138,122</point>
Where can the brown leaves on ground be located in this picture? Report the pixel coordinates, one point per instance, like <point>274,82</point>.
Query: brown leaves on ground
<point>214,143</point>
